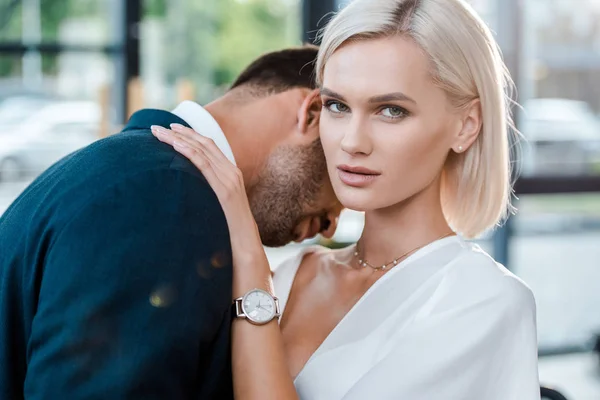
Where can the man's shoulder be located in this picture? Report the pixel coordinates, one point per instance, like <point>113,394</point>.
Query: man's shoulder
<point>124,156</point>
<point>128,169</point>
<point>172,185</point>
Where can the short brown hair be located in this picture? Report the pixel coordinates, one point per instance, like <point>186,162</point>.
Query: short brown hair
<point>279,71</point>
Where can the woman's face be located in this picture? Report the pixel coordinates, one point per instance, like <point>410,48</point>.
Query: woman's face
<point>386,128</point>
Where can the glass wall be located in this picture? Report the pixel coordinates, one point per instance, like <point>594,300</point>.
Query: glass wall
<point>555,248</point>
<point>195,49</point>
<point>559,91</point>
<point>555,240</point>
<point>62,63</point>
<point>52,101</point>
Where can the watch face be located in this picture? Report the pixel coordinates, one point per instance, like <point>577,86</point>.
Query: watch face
<point>258,306</point>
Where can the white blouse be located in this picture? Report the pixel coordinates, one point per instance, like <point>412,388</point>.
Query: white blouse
<point>448,322</point>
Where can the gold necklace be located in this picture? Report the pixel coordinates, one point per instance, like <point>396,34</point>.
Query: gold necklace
<point>364,263</point>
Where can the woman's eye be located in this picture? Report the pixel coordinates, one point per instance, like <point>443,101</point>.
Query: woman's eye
<point>337,107</point>
<point>393,112</point>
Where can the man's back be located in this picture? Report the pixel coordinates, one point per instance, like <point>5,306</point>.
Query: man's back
<point>115,277</point>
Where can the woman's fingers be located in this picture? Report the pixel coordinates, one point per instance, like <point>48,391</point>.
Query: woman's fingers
<point>162,134</point>
<point>223,176</point>
<point>193,151</point>
<point>210,146</point>
<point>189,136</point>
<point>203,163</point>
<point>229,173</point>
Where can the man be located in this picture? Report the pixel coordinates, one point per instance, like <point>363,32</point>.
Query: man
<point>115,264</point>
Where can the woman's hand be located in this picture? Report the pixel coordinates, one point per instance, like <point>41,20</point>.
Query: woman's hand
<point>250,264</point>
<point>222,175</point>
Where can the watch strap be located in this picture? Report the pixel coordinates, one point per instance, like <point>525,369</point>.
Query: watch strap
<point>236,309</point>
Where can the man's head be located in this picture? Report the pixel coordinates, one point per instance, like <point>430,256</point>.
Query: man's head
<point>280,153</point>
<point>279,71</point>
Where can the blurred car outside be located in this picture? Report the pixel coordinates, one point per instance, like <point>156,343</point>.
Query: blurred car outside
<point>562,138</point>
<point>36,140</point>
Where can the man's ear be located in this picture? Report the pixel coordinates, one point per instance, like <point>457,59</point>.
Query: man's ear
<point>310,112</point>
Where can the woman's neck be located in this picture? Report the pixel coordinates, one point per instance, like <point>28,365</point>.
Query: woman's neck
<point>391,232</point>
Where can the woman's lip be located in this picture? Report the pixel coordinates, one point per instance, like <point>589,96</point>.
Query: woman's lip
<point>354,179</point>
<point>357,170</point>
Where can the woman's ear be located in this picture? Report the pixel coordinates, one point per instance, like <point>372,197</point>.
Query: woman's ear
<point>472,121</point>
<point>309,113</point>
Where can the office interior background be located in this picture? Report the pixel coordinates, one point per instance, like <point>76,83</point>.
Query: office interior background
<point>73,71</point>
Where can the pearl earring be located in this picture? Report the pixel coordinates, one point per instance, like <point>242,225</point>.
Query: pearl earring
<point>459,149</point>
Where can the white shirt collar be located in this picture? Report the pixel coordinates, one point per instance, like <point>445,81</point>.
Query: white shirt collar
<point>202,122</point>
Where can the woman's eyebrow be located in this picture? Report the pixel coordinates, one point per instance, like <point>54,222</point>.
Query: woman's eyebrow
<point>396,96</point>
<point>331,93</point>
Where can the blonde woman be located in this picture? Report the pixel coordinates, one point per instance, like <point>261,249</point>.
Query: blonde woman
<point>414,129</point>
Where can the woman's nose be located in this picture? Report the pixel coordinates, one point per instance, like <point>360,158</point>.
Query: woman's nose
<point>356,139</point>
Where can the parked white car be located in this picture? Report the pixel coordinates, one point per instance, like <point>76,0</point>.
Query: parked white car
<point>16,109</point>
<point>562,137</point>
<point>57,129</point>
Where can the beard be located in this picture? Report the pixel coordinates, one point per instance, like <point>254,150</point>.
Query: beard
<point>287,191</point>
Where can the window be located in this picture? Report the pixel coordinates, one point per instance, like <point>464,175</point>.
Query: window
<point>63,60</point>
<point>561,65</point>
<point>195,49</point>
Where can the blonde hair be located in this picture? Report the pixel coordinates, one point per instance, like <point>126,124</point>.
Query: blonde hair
<point>467,64</point>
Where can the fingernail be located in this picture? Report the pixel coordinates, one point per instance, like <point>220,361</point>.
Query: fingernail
<point>159,129</point>
<point>177,126</point>
<point>182,145</point>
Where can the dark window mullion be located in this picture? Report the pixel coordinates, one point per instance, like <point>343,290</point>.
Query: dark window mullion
<point>16,48</point>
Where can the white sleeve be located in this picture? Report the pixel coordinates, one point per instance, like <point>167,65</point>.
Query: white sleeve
<point>485,349</point>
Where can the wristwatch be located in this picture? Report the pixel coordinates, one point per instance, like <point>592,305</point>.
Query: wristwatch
<point>257,306</point>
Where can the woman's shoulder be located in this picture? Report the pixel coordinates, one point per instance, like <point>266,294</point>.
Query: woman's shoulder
<point>475,287</point>
<point>285,274</point>
<point>477,272</point>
